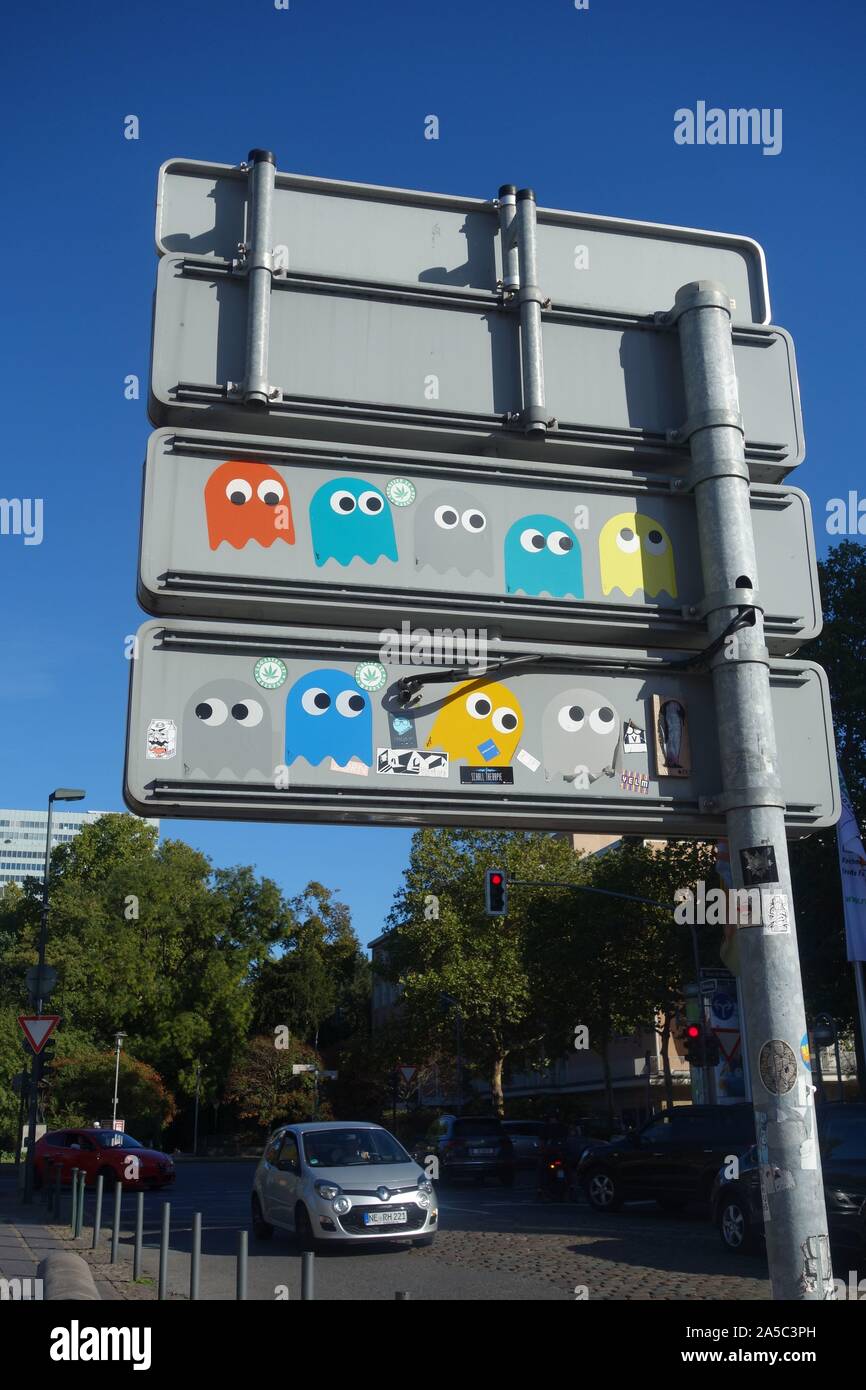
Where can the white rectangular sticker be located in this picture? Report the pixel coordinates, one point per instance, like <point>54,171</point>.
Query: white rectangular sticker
<point>411,762</point>
<point>528,761</point>
<point>161,738</point>
<point>354,766</point>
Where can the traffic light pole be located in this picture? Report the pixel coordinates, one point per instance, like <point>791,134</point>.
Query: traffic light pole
<point>752,799</point>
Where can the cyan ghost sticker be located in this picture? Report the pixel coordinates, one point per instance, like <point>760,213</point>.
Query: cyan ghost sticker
<point>327,716</point>
<point>351,519</point>
<point>542,556</point>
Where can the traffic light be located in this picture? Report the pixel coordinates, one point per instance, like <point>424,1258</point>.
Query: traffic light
<point>694,1045</point>
<point>495,893</point>
<point>712,1050</point>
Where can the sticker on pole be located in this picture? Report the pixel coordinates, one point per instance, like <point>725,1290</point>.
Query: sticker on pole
<point>778,1067</point>
<point>38,1028</point>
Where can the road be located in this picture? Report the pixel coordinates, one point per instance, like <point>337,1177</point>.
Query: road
<point>494,1244</point>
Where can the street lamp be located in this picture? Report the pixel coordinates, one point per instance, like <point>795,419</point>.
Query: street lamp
<point>59,794</point>
<point>118,1044</point>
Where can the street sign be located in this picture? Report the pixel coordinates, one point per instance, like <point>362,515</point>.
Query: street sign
<point>366,233</point>
<point>38,1028</point>
<point>438,371</point>
<point>40,982</point>
<point>408,1073</point>
<point>299,1067</point>
<point>239,722</point>
<point>242,527</point>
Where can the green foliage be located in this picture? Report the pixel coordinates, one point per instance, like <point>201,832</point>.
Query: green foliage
<point>265,1089</point>
<point>81,1092</point>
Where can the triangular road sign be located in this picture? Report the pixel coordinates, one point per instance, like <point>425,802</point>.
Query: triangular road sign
<point>407,1073</point>
<point>729,1042</point>
<point>38,1028</point>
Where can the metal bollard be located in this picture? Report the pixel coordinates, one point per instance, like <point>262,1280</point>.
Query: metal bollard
<point>97,1215</point>
<point>195,1258</point>
<point>79,1219</point>
<point>163,1251</point>
<point>139,1235</point>
<point>307,1278</point>
<point>242,1266</point>
<point>403,1293</point>
<point>58,1195</point>
<point>115,1224</point>
<point>73,1214</point>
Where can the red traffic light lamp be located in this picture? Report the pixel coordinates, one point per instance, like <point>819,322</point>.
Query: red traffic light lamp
<point>495,893</point>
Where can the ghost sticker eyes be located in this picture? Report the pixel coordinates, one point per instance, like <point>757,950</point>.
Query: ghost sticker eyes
<point>542,556</point>
<point>247,502</point>
<point>453,532</point>
<point>227,730</point>
<point>328,716</point>
<point>479,723</point>
<point>580,734</point>
<point>349,520</point>
<point>636,553</point>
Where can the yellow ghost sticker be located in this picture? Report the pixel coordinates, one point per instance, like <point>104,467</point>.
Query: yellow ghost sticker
<point>636,553</point>
<point>481,723</point>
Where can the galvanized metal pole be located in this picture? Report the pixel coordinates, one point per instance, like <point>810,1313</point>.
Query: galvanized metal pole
<point>162,1282</point>
<point>139,1235</point>
<point>115,1223</point>
<point>195,1259</point>
<point>58,1194</point>
<point>79,1220</point>
<point>73,1215</point>
<point>260,268</point>
<point>529,299</point>
<point>308,1261</point>
<point>752,798</point>
<point>97,1215</point>
<point>36,1073</point>
<point>241,1288</point>
<point>508,239</point>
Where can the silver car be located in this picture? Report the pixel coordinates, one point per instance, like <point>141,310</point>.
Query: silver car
<point>340,1181</point>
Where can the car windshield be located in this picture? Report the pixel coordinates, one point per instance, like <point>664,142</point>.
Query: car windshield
<point>483,1127</point>
<point>351,1148</point>
<point>115,1139</point>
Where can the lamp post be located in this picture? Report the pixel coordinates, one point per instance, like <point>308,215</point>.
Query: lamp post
<point>59,794</point>
<point>118,1044</point>
<point>195,1124</point>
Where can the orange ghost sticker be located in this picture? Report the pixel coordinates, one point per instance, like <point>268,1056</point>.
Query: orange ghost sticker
<point>247,502</point>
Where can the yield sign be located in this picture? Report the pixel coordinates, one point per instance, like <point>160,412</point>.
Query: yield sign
<point>729,1042</point>
<point>407,1073</point>
<point>38,1028</point>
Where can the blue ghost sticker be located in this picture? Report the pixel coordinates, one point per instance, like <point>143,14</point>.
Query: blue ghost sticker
<point>327,716</point>
<point>351,519</point>
<point>542,556</point>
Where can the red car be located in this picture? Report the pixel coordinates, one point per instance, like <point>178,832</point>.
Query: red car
<point>117,1156</point>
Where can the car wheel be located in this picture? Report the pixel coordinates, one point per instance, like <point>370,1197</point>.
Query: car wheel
<point>262,1229</point>
<point>37,1178</point>
<point>602,1191</point>
<point>423,1242</point>
<point>304,1230</point>
<point>736,1226</point>
<point>672,1203</point>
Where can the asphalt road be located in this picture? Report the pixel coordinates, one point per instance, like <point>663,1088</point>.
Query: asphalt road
<point>494,1244</point>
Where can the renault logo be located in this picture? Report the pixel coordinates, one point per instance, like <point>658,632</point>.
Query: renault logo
<point>383,1193</point>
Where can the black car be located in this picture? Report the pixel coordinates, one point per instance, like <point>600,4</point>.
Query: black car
<point>736,1202</point>
<point>673,1159</point>
<point>468,1146</point>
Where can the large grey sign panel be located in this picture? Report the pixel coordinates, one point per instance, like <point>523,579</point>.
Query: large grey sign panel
<point>237,722</point>
<point>446,374</point>
<point>297,531</point>
<point>365,233</point>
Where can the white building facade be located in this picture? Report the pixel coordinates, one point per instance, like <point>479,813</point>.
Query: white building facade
<point>22,839</point>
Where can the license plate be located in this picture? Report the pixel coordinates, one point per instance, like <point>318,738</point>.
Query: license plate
<point>384,1218</point>
<point>481,1153</point>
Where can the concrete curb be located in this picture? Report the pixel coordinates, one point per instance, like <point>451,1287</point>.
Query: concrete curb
<point>67,1277</point>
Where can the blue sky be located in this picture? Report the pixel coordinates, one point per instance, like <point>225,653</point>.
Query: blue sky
<point>578,104</point>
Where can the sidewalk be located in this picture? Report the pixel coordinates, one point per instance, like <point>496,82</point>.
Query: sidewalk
<point>26,1236</point>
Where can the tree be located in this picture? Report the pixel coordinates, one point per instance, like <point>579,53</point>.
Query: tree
<point>440,942</point>
<point>81,1092</point>
<point>264,1087</point>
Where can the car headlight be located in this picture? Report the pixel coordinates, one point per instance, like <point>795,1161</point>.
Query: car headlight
<point>328,1190</point>
<point>422,1199</point>
<point>425,1186</point>
<point>342,1205</point>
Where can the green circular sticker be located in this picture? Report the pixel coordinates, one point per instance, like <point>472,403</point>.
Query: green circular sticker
<point>270,672</point>
<point>401,492</point>
<point>370,675</point>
